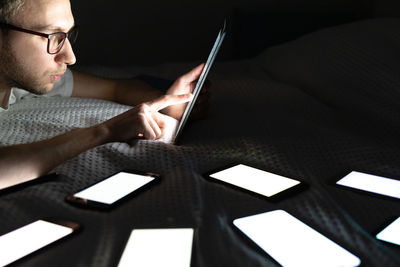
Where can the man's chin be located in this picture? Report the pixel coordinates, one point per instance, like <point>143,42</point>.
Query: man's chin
<point>41,90</point>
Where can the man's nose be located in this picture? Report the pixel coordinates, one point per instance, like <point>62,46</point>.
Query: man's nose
<point>66,54</point>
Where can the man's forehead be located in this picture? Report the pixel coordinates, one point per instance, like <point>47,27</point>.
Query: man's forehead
<point>46,14</point>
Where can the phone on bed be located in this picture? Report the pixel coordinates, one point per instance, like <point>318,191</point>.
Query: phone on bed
<point>391,233</point>
<point>29,238</point>
<point>256,181</point>
<point>158,247</point>
<point>371,184</point>
<point>200,82</point>
<point>112,190</point>
<point>292,243</point>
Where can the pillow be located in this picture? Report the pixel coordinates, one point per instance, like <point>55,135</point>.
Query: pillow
<point>354,68</point>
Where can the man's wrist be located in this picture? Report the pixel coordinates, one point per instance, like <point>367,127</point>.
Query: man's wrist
<point>100,133</point>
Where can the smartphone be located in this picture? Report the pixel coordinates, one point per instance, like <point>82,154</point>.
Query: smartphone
<point>255,180</point>
<point>112,190</point>
<point>391,233</point>
<point>290,242</point>
<point>158,247</point>
<point>18,187</point>
<point>371,183</point>
<point>32,237</point>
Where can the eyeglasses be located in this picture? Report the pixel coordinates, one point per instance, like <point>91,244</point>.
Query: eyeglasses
<point>55,40</point>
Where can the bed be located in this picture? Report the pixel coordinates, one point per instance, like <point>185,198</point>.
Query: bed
<point>311,109</point>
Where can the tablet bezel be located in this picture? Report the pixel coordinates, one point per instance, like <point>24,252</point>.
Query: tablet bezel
<point>200,82</point>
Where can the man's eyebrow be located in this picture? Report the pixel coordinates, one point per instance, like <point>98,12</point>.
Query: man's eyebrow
<point>50,28</point>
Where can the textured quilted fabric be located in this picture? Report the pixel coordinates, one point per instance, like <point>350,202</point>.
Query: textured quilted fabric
<point>277,124</point>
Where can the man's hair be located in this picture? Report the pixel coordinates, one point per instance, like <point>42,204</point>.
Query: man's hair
<point>8,9</point>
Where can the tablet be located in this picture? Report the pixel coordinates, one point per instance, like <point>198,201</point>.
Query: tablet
<point>202,78</point>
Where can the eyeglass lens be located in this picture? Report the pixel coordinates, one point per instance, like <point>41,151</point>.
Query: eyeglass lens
<point>56,41</point>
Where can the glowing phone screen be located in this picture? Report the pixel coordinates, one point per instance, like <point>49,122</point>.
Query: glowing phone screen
<point>29,238</point>
<point>114,188</point>
<point>258,181</point>
<point>372,183</point>
<point>391,233</point>
<point>158,247</point>
<point>292,243</point>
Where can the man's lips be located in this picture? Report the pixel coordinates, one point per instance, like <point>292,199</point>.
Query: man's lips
<point>56,77</point>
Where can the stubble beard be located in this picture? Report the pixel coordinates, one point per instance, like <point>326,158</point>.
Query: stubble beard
<point>17,74</point>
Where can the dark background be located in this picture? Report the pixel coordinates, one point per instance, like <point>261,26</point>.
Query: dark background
<point>126,33</point>
<point>312,120</point>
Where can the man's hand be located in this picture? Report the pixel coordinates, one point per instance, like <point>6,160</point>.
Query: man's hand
<point>143,121</point>
<point>186,84</point>
<point>21,163</point>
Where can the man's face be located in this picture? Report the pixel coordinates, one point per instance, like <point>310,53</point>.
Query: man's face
<point>24,61</point>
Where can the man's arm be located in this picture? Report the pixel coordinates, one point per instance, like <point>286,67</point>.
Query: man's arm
<point>133,91</point>
<point>21,163</point>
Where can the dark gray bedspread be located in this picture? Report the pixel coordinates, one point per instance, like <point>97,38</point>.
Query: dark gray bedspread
<point>313,109</point>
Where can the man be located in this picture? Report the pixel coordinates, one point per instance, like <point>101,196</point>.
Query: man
<point>35,43</point>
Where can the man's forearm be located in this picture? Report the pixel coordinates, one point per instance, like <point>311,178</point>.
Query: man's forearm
<point>21,163</point>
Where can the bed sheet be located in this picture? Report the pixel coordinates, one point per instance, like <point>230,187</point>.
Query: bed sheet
<point>255,118</point>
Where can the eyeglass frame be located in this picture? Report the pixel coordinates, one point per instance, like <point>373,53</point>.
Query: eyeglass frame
<point>48,36</point>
